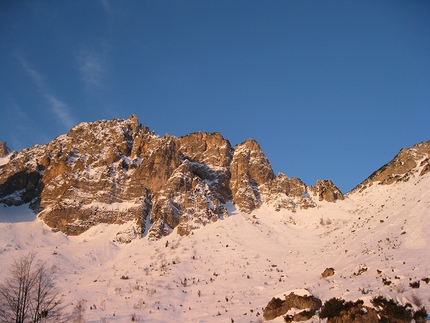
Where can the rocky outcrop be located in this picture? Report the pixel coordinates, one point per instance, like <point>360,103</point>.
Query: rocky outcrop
<point>249,169</point>
<point>326,191</point>
<point>406,163</point>
<point>253,182</point>
<point>116,171</point>
<point>277,307</point>
<point>186,201</point>
<point>211,156</point>
<point>327,272</point>
<point>4,150</point>
<point>337,310</point>
<point>20,180</point>
<point>285,193</point>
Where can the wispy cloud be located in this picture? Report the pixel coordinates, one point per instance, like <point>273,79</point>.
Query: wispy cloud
<point>61,110</point>
<point>57,107</point>
<point>106,5</point>
<point>91,66</point>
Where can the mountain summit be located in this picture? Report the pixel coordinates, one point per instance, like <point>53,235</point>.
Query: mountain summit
<point>114,171</point>
<point>281,250</point>
<point>406,163</point>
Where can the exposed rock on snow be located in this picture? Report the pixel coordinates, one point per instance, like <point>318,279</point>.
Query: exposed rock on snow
<point>326,190</point>
<point>327,272</point>
<point>404,164</point>
<point>285,193</point>
<point>277,307</point>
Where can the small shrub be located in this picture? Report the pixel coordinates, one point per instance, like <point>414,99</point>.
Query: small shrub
<point>415,284</point>
<point>361,270</point>
<point>135,318</point>
<point>390,310</point>
<point>78,313</point>
<point>400,288</point>
<point>364,291</point>
<point>332,308</point>
<point>420,315</point>
<point>337,310</point>
<point>386,282</point>
<point>416,300</point>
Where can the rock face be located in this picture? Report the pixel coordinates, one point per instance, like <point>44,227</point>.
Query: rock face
<point>116,171</point>
<point>406,163</point>
<point>327,191</point>
<point>250,169</point>
<point>253,182</point>
<point>4,150</point>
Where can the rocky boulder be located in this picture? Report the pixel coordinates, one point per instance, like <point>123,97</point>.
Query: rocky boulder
<point>328,272</point>
<point>277,307</point>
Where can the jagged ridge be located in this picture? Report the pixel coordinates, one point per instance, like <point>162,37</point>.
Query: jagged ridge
<point>114,171</point>
<point>400,169</point>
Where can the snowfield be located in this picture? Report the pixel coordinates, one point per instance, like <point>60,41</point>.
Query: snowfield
<point>377,242</point>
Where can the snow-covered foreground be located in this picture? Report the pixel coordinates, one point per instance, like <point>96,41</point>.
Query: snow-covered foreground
<point>229,270</point>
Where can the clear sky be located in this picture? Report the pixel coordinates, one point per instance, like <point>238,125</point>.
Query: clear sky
<point>330,89</point>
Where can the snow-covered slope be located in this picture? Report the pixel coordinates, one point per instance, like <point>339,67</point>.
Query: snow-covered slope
<point>229,270</point>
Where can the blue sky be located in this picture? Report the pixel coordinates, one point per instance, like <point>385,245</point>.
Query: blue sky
<point>330,89</point>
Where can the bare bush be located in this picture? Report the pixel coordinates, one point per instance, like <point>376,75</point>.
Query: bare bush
<point>28,294</point>
<point>415,284</point>
<point>78,314</point>
<point>400,288</point>
<point>135,318</point>
<point>416,299</point>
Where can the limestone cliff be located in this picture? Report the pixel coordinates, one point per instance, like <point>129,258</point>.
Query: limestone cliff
<point>116,171</point>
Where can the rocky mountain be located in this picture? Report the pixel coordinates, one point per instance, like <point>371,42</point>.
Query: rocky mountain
<point>407,162</point>
<point>114,171</point>
<point>275,250</point>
